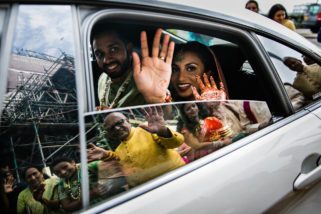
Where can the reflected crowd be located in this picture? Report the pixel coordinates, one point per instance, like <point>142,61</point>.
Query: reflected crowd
<point>145,146</point>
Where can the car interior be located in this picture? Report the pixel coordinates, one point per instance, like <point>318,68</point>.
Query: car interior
<point>243,82</point>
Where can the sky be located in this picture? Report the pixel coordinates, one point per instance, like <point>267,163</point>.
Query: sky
<point>45,29</point>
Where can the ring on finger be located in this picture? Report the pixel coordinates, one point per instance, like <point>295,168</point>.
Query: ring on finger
<point>162,58</point>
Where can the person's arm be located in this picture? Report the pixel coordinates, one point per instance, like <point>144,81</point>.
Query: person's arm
<point>38,196</point>
<point>193,142</point>
<point>71,205</point>
<point>52,204</point>
<point>156,125</point>
<point>209,90</point>
<point>293,64</point>
<point>173,140</point>
<point>21,204</point>
<point>97,153</point>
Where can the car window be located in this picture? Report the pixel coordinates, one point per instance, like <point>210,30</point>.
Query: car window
<point>297,71</point>
<point>118,115</point>
<point>39,121</point>
<point>240,82</point>
<point>129,147</point>
<point>314,9</point>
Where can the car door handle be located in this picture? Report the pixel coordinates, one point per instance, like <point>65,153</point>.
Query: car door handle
<point>305,179</point>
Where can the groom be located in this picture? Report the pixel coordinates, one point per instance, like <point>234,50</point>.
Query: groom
<point>127,79</point>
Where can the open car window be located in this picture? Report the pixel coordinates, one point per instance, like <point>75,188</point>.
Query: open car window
<point>117,110</point>
<point>112,82</point>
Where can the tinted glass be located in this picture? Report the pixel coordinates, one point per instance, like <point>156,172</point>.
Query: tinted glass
<point>39,122</point>
<point>314,9</point>
<point>299,74</point>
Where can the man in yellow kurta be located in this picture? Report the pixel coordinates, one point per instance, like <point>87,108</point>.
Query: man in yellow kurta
<point>146,151</point>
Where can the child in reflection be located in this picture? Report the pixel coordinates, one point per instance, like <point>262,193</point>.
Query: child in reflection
<point>40,195</point>
<point>69,187</point>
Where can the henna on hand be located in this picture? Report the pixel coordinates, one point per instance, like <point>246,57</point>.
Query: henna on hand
<point>209,90</point>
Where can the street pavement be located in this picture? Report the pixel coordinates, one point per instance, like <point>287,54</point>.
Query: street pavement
<point>312,37</point>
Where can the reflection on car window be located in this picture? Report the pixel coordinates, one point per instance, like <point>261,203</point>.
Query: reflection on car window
<point>40,118</point>
<point>300,75</point>
<point>130,147</point>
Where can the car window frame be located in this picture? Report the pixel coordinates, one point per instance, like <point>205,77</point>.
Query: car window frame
<point>9,24</point>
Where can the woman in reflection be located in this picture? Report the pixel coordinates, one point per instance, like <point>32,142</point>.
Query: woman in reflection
<point>202,136</point>
<point>40,195</point>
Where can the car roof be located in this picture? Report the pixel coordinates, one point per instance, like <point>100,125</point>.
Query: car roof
<point>237,16</point>
<point>216,8</point>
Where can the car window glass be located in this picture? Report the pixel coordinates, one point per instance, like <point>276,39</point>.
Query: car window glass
<point>129,147</point>
<point>314,9</point>
<point>299,74</point>
<point>39,122</point>
<point>118,164</point>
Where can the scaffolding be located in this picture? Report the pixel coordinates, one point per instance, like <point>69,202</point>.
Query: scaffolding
<point>39,114</point>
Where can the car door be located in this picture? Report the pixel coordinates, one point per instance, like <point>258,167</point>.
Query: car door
<point>256,172</point>
<point>251,175</point>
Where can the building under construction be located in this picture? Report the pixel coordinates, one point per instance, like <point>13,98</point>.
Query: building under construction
<point>39,120</point>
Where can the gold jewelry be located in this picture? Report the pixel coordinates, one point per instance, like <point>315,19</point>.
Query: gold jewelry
<point>162,58</point>
<point>104,102</point>
<point>68,186</point>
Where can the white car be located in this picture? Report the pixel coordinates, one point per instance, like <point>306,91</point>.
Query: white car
<point>48,88</point>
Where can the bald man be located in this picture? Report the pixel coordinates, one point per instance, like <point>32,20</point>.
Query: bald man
<point>146,151</point>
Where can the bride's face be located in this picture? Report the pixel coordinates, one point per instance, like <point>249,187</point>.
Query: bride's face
<point>185,67</point>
